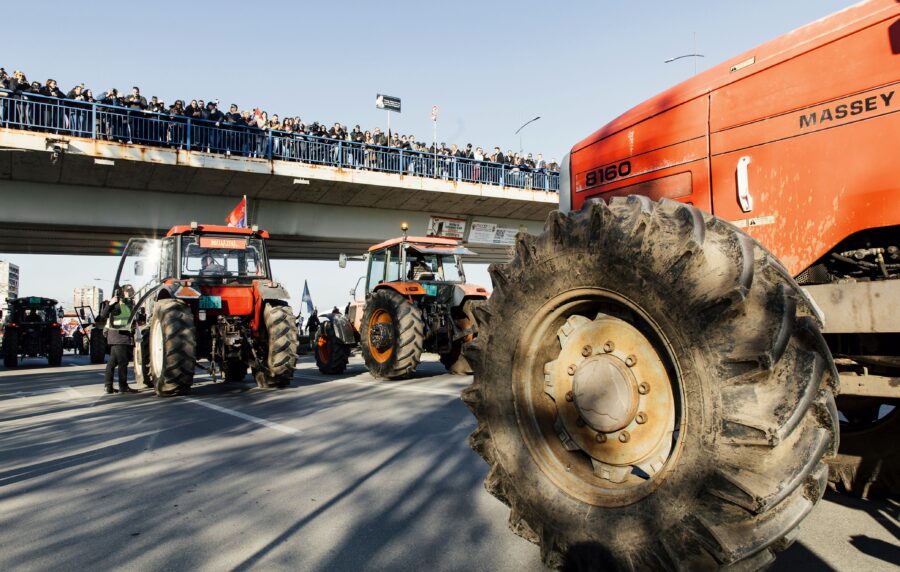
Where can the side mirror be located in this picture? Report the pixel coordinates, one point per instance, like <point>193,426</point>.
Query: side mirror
<point>138,267</point>
<point>60,313</point>
<point>353,292</point>
<point>342,260</point>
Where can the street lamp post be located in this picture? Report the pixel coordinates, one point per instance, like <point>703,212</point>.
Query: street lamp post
<point>519,130</point>
<point>693,55</point>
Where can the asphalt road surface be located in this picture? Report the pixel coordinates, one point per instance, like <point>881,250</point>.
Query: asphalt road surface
<point>333,473</point>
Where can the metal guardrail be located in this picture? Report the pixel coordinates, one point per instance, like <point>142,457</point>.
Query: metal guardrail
<point>33,112</point>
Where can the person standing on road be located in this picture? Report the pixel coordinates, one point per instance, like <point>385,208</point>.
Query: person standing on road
<point>117,314</point>
<point>312,325</point>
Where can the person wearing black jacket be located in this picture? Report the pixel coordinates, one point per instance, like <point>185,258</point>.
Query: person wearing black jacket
<point>117,313</point>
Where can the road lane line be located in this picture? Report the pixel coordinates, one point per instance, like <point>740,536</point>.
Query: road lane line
<point>244,416</point>
<point>381,385</point>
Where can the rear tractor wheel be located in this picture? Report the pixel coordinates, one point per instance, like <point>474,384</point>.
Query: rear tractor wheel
<point>454,360</point>
<point>97,345</point>
<point>651,392</point>
<point>173,347</point>
<point>868,462</point>
<point>332,355</point>
<point>55,348</point>
<point>11,348</point>
<point>279,346</point>
<point>393,335</point>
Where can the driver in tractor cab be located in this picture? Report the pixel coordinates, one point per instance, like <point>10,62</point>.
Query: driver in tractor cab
<point>417,267</point>
<point>30,316</point>
<point>117,314</point>
<point>210,266</point>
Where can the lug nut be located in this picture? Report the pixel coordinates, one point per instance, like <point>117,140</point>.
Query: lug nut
<point>571,369</point>
<point>586,351</point>
<point>631,360</point>
<point>609,346</point>
<point>624,436</point>
<point>579,422</point>
<point>570,396</point>
<point>644,388</point>
<point>641,417</point>
<point>601,437</point>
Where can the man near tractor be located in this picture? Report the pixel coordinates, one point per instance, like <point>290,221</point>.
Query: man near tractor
<point>117,314</point>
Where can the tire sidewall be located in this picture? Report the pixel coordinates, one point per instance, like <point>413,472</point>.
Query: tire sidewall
<point>568,270</point>
<point>388,301</point>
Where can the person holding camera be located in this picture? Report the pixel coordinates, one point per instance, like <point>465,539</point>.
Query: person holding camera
<point>117,314</point>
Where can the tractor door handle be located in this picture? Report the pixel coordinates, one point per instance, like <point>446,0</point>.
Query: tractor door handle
<point>743,185</point>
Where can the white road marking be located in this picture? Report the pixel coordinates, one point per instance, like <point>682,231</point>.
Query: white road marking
<point>244,416</point>
<point>72,392</point>
<point>387,385</point>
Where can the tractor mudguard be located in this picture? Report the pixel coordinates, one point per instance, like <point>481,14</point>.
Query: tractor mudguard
<point>273,291</point>
<point>343,329</point>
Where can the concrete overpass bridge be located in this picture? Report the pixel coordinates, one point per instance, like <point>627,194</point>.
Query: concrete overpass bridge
<point>64,194</point>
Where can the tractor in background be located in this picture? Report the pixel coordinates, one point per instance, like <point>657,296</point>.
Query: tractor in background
<point>416,300</point>
<point>206,292</point>
<point>31,328</point>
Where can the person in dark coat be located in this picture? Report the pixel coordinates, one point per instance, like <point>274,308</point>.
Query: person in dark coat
<point>117,313</point>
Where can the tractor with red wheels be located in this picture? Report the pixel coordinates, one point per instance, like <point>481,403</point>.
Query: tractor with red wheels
<point>205,292</point>
<point>416,300</point>
<point>707,333</point>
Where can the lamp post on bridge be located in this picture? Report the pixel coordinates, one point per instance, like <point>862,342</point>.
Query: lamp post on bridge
<point>519,131</point>
<point>693,55</point>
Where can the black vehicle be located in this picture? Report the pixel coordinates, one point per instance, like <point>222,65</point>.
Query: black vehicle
<point>31,328</point>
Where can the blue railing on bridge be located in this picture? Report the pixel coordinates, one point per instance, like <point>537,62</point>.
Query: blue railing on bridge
<point>99,121</point>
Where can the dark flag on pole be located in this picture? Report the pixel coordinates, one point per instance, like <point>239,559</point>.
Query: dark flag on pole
<point>307,298</point>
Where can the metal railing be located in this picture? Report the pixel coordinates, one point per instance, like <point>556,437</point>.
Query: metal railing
<point>33,112</point>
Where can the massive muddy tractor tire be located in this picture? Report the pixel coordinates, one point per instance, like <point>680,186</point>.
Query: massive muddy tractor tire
<point>279,343</point>
<point>332,355</point>
<point>454,360</point>
<point>11,348</point>
<point>97,345</point>
<point>652,391</point>
<point>393,335</point>
<point>868,462</point>
<point>173,347</point>
<point>55,348</point>
<point>142,374</point>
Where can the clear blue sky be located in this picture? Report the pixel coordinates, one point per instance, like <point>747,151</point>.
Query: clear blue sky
<point>489,66</point>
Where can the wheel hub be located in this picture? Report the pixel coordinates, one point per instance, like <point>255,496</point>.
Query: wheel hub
<point>613,397</point>
<point>605,393</point>
<point>381,336</point>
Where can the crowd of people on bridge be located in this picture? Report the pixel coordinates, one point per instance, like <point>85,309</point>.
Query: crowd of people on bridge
<point>203,126</point>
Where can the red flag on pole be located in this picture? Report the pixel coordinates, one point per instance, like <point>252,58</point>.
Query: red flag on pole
<point>238,217</point>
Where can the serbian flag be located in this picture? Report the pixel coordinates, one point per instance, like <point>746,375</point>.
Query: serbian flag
<point>238,217</point>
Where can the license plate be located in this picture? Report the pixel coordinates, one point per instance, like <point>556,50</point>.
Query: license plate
<point>210,302</point>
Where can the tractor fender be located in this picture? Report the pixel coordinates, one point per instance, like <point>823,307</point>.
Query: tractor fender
<point>343,329</point>
<point>271,291</point>
<point>463,291</point>
<point>405,289</point>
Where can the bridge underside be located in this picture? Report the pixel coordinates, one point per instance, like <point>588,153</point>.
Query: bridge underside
<point>94,195</point>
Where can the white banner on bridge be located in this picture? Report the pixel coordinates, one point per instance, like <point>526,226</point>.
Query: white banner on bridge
<point>445,227</point>
<point>490,233</point>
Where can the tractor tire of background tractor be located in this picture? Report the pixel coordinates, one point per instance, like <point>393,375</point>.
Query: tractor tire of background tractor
<point>399,335</point>
<point>868,462</point>
<point>731,368</point>
<point>280,342</point>
<point>332,355</point>
<point>142,360</point>
<point>55,348</point>
<point>172,347</point>
<point>235,371</point>
<point>11,348</point>
<point>454,360</point>
<point>97,345</point>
